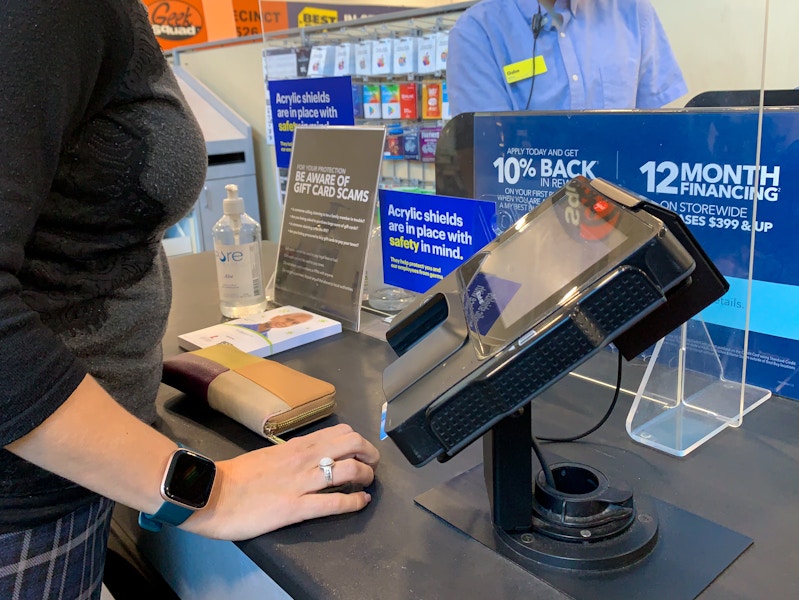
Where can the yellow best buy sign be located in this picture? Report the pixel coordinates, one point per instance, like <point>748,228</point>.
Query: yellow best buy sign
<point>316,16</point>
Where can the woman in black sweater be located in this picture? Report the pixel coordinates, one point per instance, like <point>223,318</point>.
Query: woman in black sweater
<point>99,155</point>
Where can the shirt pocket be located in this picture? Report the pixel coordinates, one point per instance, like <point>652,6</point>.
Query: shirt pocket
<point>619,84</point>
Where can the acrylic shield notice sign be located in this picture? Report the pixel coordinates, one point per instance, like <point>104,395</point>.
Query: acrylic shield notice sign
<point>330,202</point>
<point>425,236</point>
<point>311,101</point>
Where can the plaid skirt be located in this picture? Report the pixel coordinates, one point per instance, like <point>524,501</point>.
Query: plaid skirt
<point>61,560</point>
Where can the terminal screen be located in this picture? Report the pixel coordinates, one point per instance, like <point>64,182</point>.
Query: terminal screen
<point>542,262</point>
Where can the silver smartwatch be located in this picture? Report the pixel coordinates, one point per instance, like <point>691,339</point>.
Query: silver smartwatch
<point>186,487</point>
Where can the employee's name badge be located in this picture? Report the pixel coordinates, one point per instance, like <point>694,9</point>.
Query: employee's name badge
<point>524,69</point>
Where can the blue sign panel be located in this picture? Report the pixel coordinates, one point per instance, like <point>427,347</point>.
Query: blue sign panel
<point>426,236</point>
<point>311,101</point>
<point>702,165</point>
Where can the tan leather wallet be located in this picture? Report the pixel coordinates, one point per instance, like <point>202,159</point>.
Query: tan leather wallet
<point>265,396</point>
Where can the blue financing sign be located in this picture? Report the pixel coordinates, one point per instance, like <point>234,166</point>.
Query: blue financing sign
<point>701,165</point>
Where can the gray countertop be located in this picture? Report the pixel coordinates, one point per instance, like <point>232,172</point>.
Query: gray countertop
<point>744,479</point>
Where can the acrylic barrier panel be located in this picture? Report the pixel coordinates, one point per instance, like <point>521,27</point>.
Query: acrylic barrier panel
<point>702,164</point>
<point>677,414</point>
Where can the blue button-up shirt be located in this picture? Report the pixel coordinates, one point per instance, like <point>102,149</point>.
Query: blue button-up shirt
<point>604,54</point>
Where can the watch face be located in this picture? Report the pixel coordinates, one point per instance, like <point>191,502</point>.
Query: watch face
<point>189,479</point>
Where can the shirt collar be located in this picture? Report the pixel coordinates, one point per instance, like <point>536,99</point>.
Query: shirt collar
<point>568,9</point>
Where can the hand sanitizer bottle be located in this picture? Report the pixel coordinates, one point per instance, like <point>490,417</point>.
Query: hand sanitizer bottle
<point>237,250</point>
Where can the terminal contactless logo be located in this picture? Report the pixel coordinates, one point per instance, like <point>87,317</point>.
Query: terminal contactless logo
<point>486,297</point>
<point>590,215</point>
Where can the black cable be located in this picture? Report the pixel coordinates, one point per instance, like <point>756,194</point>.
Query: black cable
<point>544,465</point>
<point>537,25</point>
<point>598,425</point>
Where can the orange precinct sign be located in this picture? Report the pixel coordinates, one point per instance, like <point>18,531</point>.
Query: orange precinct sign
<point>183,22</point>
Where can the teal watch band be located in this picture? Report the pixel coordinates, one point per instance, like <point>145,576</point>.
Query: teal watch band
<point>186,487</point>
<point>169,513</point>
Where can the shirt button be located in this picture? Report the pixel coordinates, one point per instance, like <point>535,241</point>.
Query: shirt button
<point>562,34</point>
<point>575,78</point>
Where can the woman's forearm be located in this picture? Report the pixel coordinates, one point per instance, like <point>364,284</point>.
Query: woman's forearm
<point>93,441</point>
<point>96,443</point>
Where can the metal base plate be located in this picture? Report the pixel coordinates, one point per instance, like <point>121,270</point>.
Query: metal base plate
<point>689,554</point>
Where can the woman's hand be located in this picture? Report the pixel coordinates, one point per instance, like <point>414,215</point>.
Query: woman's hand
<point>272,487</point>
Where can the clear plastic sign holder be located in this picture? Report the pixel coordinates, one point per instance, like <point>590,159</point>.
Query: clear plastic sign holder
<point>684,399</point>
<point>690,388</point>
<point>691,385</point>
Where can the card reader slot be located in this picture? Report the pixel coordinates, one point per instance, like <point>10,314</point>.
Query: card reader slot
<point>435,337</point>
<point>415,326</point>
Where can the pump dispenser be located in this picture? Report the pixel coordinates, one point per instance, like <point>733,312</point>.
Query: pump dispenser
<point>237,250</point>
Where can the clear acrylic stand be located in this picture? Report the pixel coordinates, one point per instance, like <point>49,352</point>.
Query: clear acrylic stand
<point>684,399</point>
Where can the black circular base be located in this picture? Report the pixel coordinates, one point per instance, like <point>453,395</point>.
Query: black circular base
<point>626,548</point>
<point>583,506</point>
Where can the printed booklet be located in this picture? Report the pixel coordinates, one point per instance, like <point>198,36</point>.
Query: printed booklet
<point>265,333</point>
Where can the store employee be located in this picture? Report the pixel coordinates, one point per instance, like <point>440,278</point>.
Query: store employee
<point>586,54</point>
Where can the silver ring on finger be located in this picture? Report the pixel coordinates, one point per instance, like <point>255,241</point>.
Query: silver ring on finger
<point>326,465</point>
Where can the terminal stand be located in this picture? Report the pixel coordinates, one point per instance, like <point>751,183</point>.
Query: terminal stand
<point>589,522</point>
<point>592,538</point>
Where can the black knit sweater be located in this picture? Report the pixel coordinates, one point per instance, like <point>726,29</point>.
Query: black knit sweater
<point>98,156</point>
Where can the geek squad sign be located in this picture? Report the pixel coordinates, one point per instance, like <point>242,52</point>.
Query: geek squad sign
<point>176,22</point>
